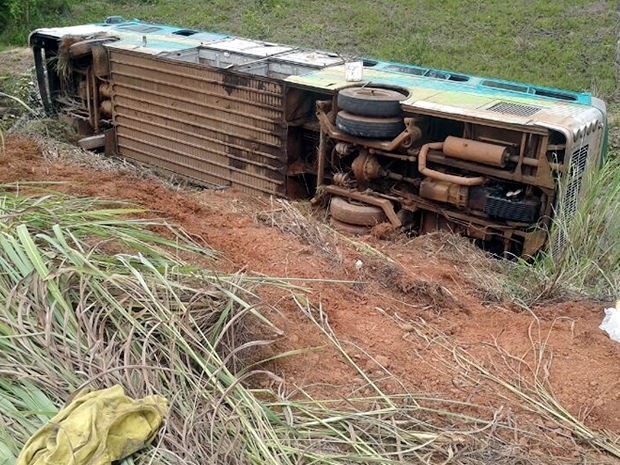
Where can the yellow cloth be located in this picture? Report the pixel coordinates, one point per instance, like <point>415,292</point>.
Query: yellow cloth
<point>96,428</point>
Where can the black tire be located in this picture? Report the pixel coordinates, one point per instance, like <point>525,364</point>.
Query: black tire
<point>347,228</point>
<point>369,127</point>
<point>356,214</point>
<point>370,101</point>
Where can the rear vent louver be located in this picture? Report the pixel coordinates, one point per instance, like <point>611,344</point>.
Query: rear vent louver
<point>571,187</point>
<point>509,108</point>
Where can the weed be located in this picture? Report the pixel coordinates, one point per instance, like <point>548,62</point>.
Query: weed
<point>583,256</point>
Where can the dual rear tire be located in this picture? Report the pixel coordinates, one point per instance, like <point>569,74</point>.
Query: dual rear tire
<point>370,101</point>
<point>370,112</point>
<point>373,113</point>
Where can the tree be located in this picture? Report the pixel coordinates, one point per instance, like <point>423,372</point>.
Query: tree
<point>19,17</point>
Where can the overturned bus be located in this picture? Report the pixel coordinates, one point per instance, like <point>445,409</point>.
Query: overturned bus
<point>378,142</point>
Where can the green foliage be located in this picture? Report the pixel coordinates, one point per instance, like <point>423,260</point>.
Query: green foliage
<point>589,259</point>
<point>584,256</point>
<point>19,17</point>
<point>565,43</point>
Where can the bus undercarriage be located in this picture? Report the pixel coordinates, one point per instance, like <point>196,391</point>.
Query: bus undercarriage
<point>368,151</point>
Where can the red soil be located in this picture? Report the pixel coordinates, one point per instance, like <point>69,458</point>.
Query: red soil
<point>374,310</point>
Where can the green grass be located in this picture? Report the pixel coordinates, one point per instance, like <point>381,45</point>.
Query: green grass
<point>588,260</point>
<point>566,44</point>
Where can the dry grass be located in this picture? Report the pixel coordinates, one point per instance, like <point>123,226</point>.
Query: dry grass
<point>76,316</point>
<point>510,433</point>
<point>289,218</point>
<point>520,383</point>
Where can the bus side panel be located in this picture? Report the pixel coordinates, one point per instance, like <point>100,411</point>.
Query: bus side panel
<point>214,126</point>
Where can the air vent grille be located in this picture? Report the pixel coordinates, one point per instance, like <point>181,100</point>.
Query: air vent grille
<point>568,208</point>
<point>576,169</point>
<point>509,108</point>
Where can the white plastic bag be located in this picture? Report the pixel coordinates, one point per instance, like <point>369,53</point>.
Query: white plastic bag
<point>611,322</point>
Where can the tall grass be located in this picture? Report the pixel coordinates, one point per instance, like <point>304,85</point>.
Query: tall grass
<point>17,17</point>
<point>93,298</point>
<point>583,258</point>
<point>591,257</point>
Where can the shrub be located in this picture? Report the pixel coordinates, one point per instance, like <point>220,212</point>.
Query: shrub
<point>19,17</point>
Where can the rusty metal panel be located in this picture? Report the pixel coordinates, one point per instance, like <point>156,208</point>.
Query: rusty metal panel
<point>214,126</point>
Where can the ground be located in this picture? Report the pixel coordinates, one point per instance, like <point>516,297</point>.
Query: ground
<point>408,311</point>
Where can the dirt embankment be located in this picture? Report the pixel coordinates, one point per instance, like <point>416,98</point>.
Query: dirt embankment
<point>375,309</point>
